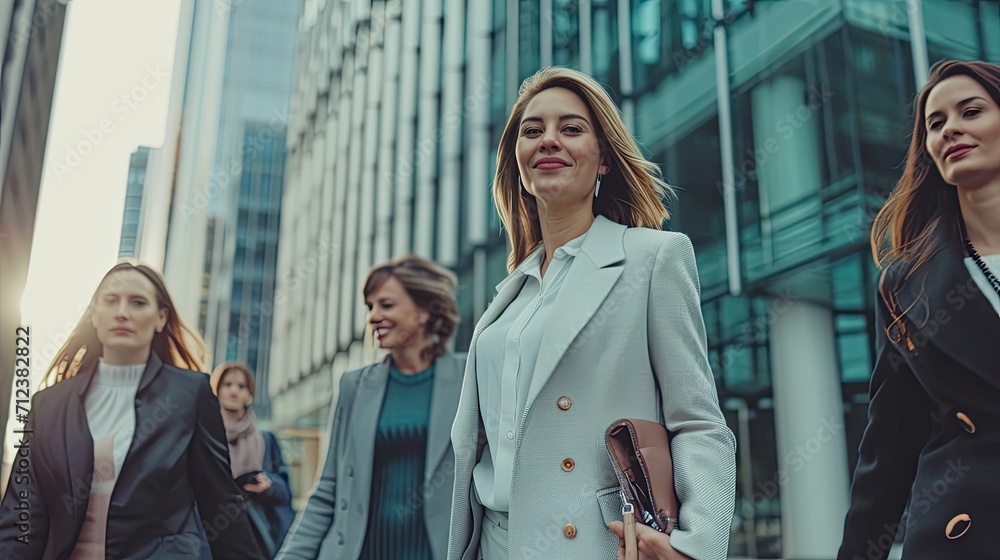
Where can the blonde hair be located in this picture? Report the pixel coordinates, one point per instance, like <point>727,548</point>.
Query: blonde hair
<point>431,287</point>
<point>632,192</point>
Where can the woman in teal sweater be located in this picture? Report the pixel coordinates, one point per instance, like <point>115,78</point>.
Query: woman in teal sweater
<point>385,488</point>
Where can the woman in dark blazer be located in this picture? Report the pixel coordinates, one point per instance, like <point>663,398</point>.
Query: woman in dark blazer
<point>385,488</point>
<point>933,435</point>
<point>254,451</point>
<point>124,441</point>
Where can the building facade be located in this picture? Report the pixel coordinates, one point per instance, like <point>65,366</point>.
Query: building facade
<point>31,34</point>
<point>226,133</point>
<point>783,125</point>
<point>250,164</point>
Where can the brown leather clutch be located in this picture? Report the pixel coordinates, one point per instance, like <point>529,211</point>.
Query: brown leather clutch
<point>640,456</point>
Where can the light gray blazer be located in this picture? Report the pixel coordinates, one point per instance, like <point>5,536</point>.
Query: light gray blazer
<point>628,310</point>
<point>335,519</point>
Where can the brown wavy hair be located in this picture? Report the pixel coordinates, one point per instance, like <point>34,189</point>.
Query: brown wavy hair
<point>431,287</point>
<point>177,345</point>
<point>922,203</point>
<point>632,193</point>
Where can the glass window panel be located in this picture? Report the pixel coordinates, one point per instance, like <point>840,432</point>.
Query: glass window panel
<point>953,30</point>
<point>528,31</point>
<point>605,42</point>
<point>848,285</point>
<point>738,366</point>
<point>565,33</point>
<point>693,164</point>
<point>854,358</point>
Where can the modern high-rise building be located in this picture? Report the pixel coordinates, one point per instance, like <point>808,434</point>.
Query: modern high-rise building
<point>31,34</point>
<point>244,260</point>
<point>250,167</point>
<point>782,124</point>
<point>131,237</point>
<point>227,135</point>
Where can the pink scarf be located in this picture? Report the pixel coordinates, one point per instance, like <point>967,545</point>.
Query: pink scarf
<point>246,445</point>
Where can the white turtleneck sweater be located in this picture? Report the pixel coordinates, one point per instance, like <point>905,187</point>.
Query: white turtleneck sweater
<point>110,406</point>
<point>110,409</point>
<point>993,263</point>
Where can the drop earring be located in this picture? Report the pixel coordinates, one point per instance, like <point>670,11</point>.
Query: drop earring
<point>597,189</point>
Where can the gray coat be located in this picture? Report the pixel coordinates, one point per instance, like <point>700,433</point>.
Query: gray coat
<point>335,519</point>
<point>627,318</point>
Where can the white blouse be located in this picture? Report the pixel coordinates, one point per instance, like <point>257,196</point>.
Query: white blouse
<point>506,352</point>
<point>993,263</point>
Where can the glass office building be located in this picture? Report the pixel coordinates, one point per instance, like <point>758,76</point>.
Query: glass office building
<point>132,214</point>
<point>783,124</point>
<point>223,163</point>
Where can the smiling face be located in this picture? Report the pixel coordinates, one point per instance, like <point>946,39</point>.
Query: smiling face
<point>234,391</point>
<point>397,321</point>
<point>127,316</point>
<point>963,132</point>
<point>558,155</point>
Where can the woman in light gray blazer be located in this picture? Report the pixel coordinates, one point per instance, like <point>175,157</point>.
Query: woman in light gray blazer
<point>599,319</point>
<point>385,488</point>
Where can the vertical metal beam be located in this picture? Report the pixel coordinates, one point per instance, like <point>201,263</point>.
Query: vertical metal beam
<point>585,9</point>
<point>726,147</point>
<point>625,62</point>
<point>918,41</point>
<point>545,31</point>
<point>513,78</point>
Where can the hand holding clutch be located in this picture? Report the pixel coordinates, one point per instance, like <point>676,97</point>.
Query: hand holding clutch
<point>651,544</point>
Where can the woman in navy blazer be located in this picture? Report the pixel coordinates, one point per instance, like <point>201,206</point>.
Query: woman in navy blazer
<point>599,319</point>
<point>933,431</point>
<point>252,449</point>
<point>385,487</point>
<point>56,505</point>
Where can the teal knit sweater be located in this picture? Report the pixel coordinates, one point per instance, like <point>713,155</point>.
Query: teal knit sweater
<point>396,528</point>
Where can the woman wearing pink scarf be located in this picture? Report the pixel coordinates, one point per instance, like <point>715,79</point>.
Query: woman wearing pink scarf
<point>254,456</point>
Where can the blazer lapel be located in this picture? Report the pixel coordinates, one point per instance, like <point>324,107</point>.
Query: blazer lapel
<point>79,444</point>
<point>444,404</point>
<point>946,304</point>
<point>507,290</point>
<point>588,282</point>
<point>153,366</point>
<point>465,429</point>
<point>364,424</point>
